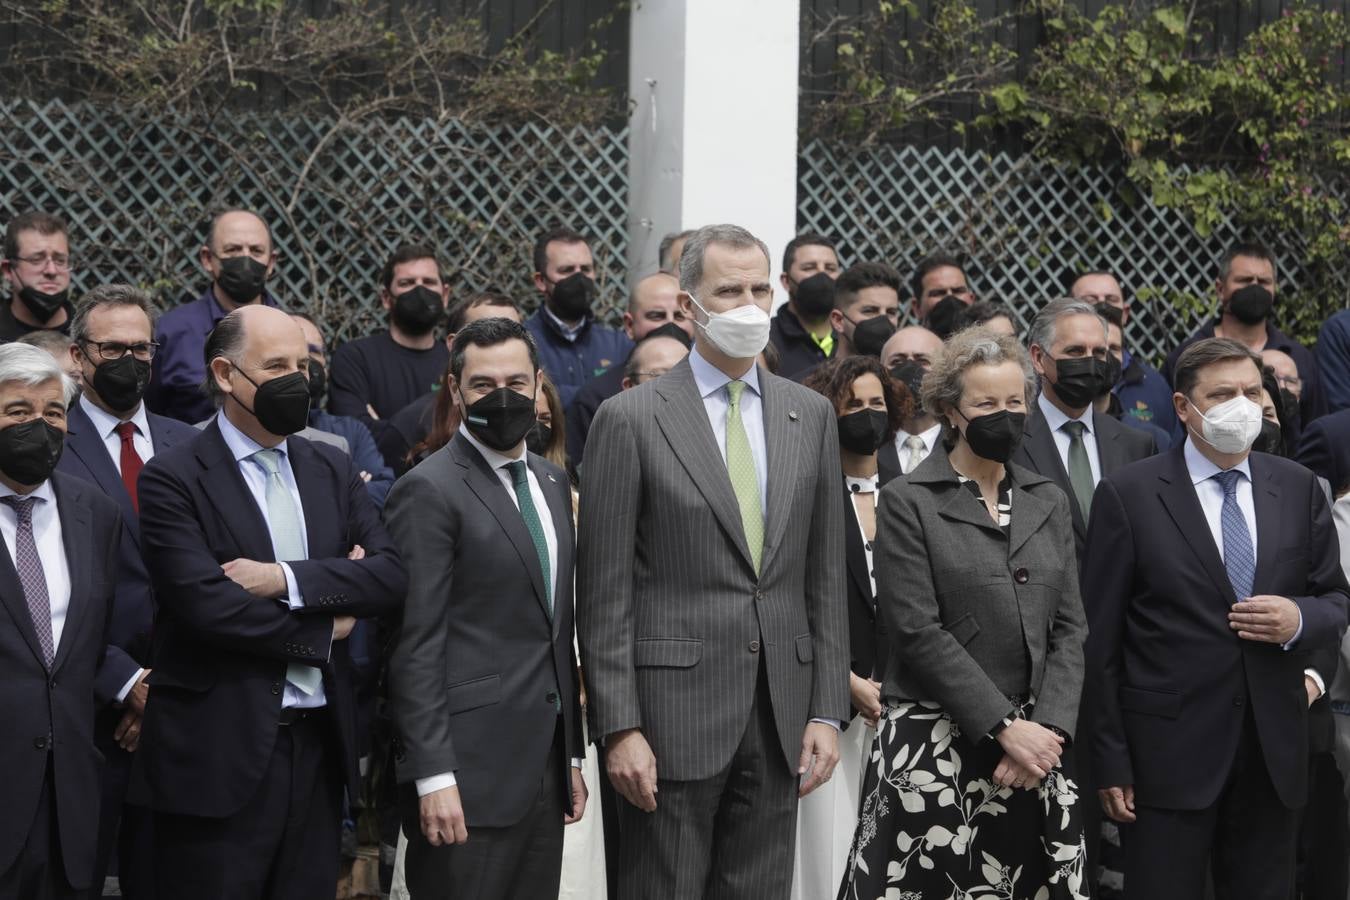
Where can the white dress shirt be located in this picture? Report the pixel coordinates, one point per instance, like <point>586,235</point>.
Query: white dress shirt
<point>712,383</point>
<point>106,425</point>
<point>930,440</point>
<point>243,448</point>
<point>499,463</point>
<point>1210,494</point>
<point>1055,420</point>
<point>50,548</point>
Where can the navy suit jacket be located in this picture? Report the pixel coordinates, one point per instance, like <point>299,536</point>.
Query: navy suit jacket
<point>51,713</point>
<point>220,654</point>
<point>1325,448</point>
<point>133,614</point>
<point>1173,683</point>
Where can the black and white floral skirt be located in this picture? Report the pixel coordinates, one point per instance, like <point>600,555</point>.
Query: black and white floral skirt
<point>934,826</point>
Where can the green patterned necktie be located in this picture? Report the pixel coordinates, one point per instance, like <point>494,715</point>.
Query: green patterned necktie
<point>744,477</point>
<point>520,478</point>
<point>1080,469</point>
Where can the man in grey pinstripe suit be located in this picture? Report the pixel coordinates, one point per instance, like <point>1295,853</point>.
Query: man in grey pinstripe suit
<point>710,599</point>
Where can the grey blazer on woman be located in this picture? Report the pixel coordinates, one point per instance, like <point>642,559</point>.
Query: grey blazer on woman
<point>974,616</point>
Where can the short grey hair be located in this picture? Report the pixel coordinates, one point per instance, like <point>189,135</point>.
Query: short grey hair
<point>50,340</point>
<point>1043,326</point>
<point>27,365</point>
<point>109,295</point>
<point>978,346</point>
<point>691,257</point>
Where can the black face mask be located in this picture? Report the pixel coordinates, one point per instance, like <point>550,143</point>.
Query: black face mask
<point>870,335</point>
<point>1111,370</point>
<point>862,432</point>
<point>1293,414</point>
<point>41,304</point>
<point>1251,305</point>
<point>1078,380</point>
<point>28,452</point>
<point>910,374</point>
<point>242,278</point>
<point>572,297</point>
<point>281,405</point>
<point>671,330</point>
<point>995,436</point>
<point>417,311</point>
<point>1270,440</point>
<point>538,438</point>
<point>318,380</point>
<point>121,382</point>
<point>500,419</point>
<point>814,297</point>
<point>944,319</point>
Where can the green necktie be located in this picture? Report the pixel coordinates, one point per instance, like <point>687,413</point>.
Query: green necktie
<point>520,478</point>
<point>288,545</point>
<point>1080,469</point>
<point>744,478</point>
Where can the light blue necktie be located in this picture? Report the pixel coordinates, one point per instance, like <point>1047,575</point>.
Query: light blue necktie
<point>1238,558</point>
<point>288,544</point>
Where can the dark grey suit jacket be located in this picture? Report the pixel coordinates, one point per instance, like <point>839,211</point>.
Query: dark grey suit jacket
<point>1117,447</point>
<point>966,609</point>
<point>480,670</point>
<point>673,622</point>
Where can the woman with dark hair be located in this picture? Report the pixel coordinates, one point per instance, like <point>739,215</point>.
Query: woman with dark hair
<point>548,437</point>
<point>870,405</point>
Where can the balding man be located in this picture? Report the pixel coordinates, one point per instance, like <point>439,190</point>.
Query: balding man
<point>652,309</point>
<point>656,355</point>
<point>239,256</point>
<point>908,355</point>
<point>263,548</point>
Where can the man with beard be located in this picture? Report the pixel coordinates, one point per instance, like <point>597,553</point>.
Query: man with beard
<point>1246,288</point>
<point>37,267</point>
<point>573,346</point>
<point>239,256</point>
<point>802,332</point>
<point>374,377</point>
<point>109,437</point>
<point>866,308</point>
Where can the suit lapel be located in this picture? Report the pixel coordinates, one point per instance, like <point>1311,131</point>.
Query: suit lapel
<point>83,439</point>
<point>783,437</point>
<point>1268,524</point>
<point>11,594</point>
<point>77,536</point>
<point>316,499</point>
<point>1109,451</point>
<point>855,555</point>
<point>683,420</point>
<point>558,494</point>
<point>1178,496</point>
<point>224,486</point>
<point>1029,514</point>
<point>1044,455</point>
<point>485,484</point>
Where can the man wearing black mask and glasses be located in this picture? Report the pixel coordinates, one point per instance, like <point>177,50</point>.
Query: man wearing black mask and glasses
<point>573,346</point>
<point>37,266</point>
<point>239,256</point>
<point>110,436</point>
<point>802,331</point>
<point>264,549</point>
<point>374,377</point>
<point>1246,289</point>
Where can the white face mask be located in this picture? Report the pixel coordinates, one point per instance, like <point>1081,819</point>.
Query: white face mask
<point>1231,426</point>
<point>741,333</point>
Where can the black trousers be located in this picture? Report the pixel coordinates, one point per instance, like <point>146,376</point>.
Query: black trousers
<point>125,832</point>
<point>1324,840</point>
<point>729,837</point>
<point>39,872</point>
<point>1246,840</point>
<point>284,843</point>
<point>519,862</point>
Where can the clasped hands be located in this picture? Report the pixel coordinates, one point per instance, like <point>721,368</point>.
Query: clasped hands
<point>1030,752</point>
<point>267,581</point>
<point>1265,618</point>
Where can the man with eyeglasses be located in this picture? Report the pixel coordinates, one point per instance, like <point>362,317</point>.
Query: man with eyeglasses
<point>239,256</point>
<point>37,267</point>
<point>109,437</point>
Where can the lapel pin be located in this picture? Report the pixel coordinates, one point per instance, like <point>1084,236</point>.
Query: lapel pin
<point>553,478</point>
<point>792,414</point>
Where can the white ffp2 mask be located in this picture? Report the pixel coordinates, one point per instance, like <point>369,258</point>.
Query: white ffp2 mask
<point>740,333</point>
<point>1231,426</point>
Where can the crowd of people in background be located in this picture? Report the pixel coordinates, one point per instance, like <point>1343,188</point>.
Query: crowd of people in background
<point>878,595</point>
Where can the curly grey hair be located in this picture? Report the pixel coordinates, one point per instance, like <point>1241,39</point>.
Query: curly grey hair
<point>943,385</point>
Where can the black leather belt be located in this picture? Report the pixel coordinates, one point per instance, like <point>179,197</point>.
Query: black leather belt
<point>294,715</point>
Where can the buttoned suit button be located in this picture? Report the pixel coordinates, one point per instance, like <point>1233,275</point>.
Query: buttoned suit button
<point>40,743</point>
<point>1021,576</point>
<point>551,697</point>
<point>1237,701</point>
<point>754,646</point>
<point>276,688</point>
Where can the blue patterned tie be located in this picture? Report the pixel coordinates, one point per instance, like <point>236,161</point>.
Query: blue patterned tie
<point>1238,558</point>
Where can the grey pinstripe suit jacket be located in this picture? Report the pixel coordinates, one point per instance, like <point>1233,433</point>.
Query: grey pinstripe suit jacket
<point>671,617</point>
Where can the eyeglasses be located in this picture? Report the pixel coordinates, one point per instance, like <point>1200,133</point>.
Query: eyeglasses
<point>1292,382</point>
<point>40,260</point>
<point>114,350</point>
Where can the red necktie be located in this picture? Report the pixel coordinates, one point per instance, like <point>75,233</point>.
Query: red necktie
<point>131,461</point>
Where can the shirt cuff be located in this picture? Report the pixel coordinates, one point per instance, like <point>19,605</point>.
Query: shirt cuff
<point>834,723</point>
<point>434,783</point>
<point>293,598</point>
<point>126,688</point>
<point>1317,679</point>
<point>576,763</point>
